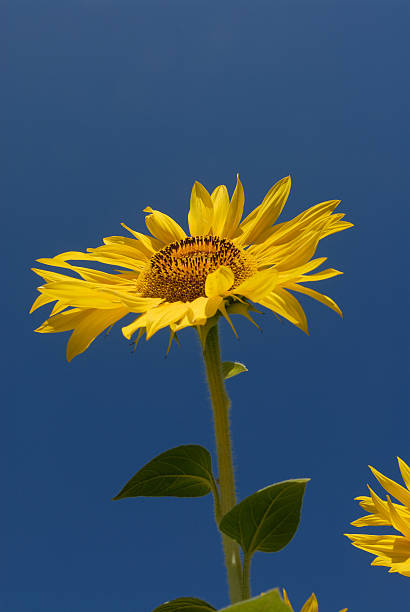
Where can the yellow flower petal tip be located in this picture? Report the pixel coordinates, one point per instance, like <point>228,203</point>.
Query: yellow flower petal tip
<point>311,605</point>
<point>392,551</point>
<point>172,279</point>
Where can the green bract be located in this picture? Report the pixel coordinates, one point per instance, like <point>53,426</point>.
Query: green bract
<point>232,368</point>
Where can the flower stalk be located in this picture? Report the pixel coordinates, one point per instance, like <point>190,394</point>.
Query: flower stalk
<point>220,406</point>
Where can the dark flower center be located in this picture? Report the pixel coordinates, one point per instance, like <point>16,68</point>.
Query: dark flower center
<point>178,271</point>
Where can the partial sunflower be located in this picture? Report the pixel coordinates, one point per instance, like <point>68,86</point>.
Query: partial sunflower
<point>391,551</point>
<point>310,605</point>
<point>179,280</point>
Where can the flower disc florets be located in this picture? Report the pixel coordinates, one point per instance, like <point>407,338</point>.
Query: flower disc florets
<point>178,271</point>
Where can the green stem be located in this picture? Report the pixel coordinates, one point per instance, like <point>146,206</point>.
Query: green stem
<point>220,405</point>
<point>246,585</point>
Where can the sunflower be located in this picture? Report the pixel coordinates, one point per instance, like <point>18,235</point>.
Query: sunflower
<point>310,605</point>
<point>391,551</point>
<point>172,279</point>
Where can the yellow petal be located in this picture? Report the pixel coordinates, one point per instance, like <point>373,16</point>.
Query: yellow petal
<point>109,254</point>
<point>317,213</point>
<point>89,327</point>
<point>57,308</point>
<point>311,605</point>
<point>218,282</point>
<point>370,520</point>
<point>119,255</point>
<point>47,275</point>
<point>287,306</point>
<point>324,299</point>
<point>203,308</point>
<point>397,521</point>
<point>60,261</point>
<point>380,561</point>
<point>130,242</point>
<point>220,200</point>
<point>138,323</point>
<point>164,315</point>
<point>337,227</point>
<point>299,272</point>
<point>324,274</point>
<point>186,321</point>
<point>402,567</point>
<point>137,303</point>
<point>302,254</point>
<point>235,211</point>
<point>392,548</point>
<point>258,286</point>
<point>286,599</point>
<point>157,318</point>
<point>312,219</point>
<point>104,277</point>
<point>405,472</point>
<point>41,300</point>
<point>163,227</point>
<point>381,508</point>
<point>277,253</point>
<point>63,322</point>
<point>80,294</point>
<point>135,248</point>
<point>147,244</point>
<point>201,211</point>
<point>392,487</point>
<point>266,213</point>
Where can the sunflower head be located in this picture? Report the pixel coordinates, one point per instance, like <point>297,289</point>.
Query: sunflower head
<point>392,551</point>
<point>173,279</point>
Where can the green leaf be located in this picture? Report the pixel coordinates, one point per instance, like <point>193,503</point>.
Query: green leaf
<point>184,471</point>
<point>268,519</point>
<point>186,604</point>
<point>267,602</point>
<point>232,368</point>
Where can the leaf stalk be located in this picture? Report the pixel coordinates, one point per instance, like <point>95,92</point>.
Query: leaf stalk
<point>246,584</point>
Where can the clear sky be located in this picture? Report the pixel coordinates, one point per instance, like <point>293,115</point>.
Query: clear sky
<point>110,106</point>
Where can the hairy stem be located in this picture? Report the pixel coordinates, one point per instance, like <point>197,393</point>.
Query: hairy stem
<point>220,405</point>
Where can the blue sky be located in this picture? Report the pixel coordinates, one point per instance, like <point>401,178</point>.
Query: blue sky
<point>108,107</point>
